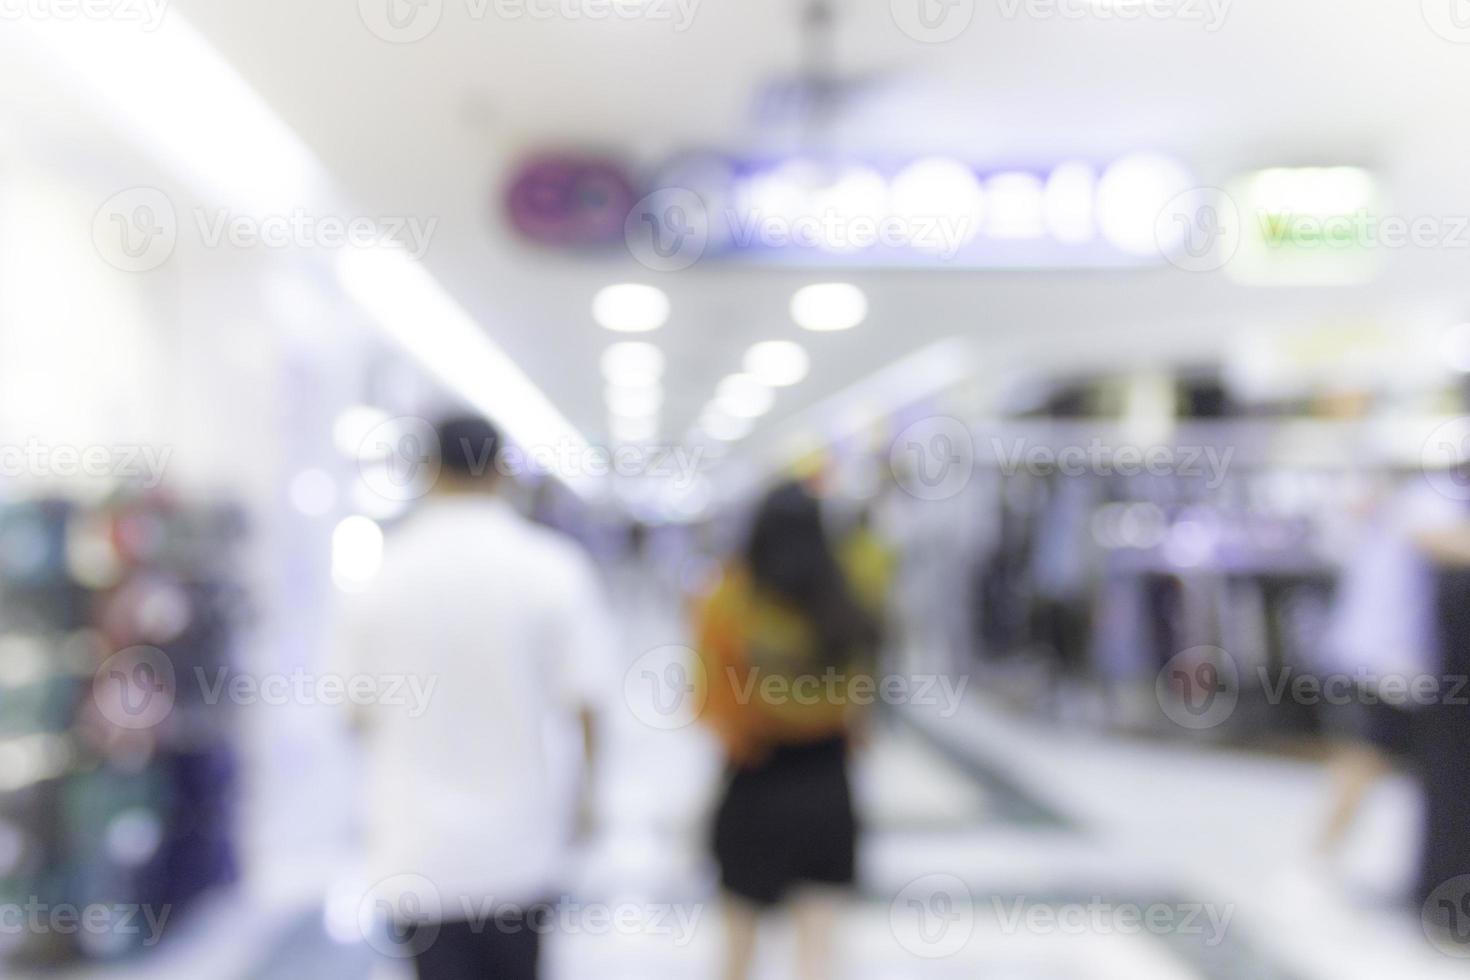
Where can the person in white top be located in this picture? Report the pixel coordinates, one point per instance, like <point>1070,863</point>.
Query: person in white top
<point>473,786</point>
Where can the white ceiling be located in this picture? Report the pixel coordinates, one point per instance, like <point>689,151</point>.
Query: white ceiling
<point>430,128</point>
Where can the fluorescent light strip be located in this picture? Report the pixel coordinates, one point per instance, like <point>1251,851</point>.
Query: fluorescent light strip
<point>189,107</point>
<point>413,309</point>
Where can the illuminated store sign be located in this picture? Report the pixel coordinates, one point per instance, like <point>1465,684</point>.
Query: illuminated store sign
<point>934,212</point>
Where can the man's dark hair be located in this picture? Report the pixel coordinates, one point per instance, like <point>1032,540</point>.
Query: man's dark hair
<point>468,446</point>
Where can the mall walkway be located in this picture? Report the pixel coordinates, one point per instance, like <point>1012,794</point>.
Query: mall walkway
<point>1010,818</point>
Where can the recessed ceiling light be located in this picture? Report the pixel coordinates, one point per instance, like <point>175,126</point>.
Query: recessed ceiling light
<point>631,307</point>
<point>1131,194</point>
<point>632,363</point>
<point>829,306</point>
<point>726,428</point>
<point>777,363</point>
<point>634,403</point>
<point>625,429</point>
<point>744,397</point>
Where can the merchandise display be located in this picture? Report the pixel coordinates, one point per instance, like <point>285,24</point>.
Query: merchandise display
<point>118,791</point>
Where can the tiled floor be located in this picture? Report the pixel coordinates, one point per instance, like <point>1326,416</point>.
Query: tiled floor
<point>1016,851</point>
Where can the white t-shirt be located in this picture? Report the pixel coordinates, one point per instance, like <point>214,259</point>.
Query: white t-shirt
<point>501,624</point>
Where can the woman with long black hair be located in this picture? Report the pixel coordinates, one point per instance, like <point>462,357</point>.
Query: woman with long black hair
<point>787,642</point>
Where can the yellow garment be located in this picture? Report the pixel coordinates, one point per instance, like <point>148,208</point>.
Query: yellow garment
<point>764,678</point>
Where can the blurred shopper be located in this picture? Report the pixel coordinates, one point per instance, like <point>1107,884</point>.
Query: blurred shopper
<point>783,639</point>
<point>1383,637</point>
<point>474,799</point>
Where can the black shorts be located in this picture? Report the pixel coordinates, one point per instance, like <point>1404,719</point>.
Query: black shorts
<point>787,821</point>
<point>1387,727</point>
<point>506,947</point>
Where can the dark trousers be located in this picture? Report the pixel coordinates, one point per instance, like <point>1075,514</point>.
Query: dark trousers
<point>499,949</point>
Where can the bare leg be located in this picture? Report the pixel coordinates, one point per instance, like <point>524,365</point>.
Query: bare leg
<point>742,920</point>
<point>1355,768</point>
<point>815,911</point>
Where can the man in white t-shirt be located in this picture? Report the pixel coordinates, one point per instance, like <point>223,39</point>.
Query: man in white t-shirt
<point>493,631</point>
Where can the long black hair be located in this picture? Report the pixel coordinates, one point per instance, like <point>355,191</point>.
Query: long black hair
<point>791,558</point>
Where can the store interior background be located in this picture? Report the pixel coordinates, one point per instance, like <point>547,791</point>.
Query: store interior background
<point>259,370</point>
